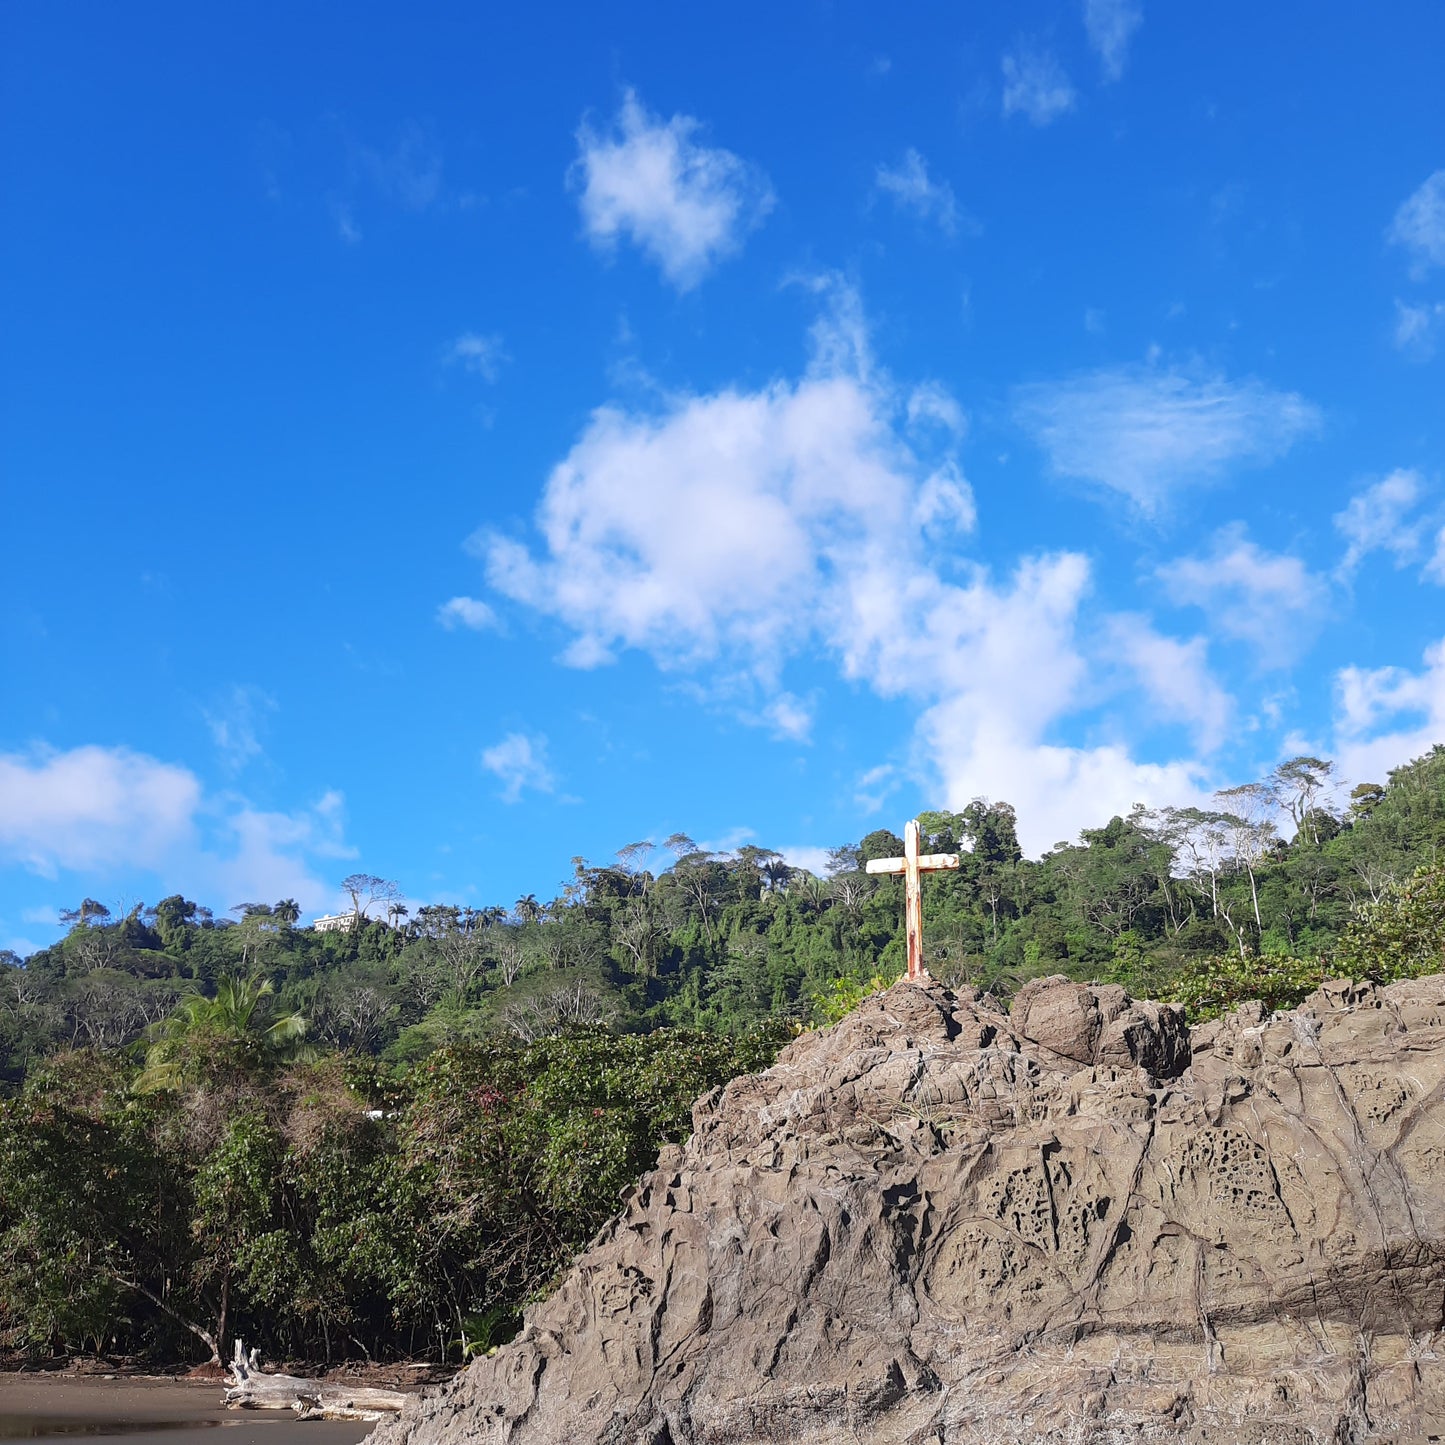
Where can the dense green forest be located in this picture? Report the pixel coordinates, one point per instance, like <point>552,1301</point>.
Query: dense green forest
<point>383,1139</point>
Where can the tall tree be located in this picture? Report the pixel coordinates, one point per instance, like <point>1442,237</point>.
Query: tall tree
<point>366,889</point>
<point>1249,812</point>
<point>1300,785</point>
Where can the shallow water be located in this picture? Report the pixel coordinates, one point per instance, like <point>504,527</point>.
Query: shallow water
<point>171,1412</point>
<point>29,1427</point>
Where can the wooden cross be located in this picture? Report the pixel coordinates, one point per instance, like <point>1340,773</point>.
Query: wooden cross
<point>912,867</point>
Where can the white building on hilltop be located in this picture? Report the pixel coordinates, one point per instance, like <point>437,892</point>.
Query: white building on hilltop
<point>334,923</point>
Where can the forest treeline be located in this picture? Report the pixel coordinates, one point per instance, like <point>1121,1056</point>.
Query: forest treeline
<point>383,1139</point>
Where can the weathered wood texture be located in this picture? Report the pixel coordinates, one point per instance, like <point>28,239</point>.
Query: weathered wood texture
<point>251,1388</point>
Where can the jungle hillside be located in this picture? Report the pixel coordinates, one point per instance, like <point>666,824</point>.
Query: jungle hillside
<point>382,1139</point>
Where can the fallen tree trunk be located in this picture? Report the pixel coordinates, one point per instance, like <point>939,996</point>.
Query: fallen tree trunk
<point>251,1388</point>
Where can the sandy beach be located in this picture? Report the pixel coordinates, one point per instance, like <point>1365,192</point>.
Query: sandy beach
<point>152,1412</point>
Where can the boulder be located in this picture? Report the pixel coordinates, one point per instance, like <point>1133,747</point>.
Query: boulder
<point>1071,1222</point>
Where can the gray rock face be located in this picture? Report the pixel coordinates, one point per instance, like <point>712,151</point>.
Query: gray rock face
<point>939,1223</point>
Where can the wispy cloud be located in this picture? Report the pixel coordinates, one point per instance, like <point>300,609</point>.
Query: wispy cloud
<point>407,172</point>
<point>1419,225</point>
<point>1435,567</point>
<point>1417,327</point>
<point>789,717</point>
<point>875,786</point>
<point>1110,25</point>
<point>1175,676</point>
<point>1375,520</point>
<point>346,226</point>
<point>235,723</point>
<point>932,404</point>
<point>1149,433</point>
<point>519,761</point>
<point>685,205</point>
<point>466,612</point>
<point>404,173</point>
<point>482,355</point>
<point>1035,85</point>
<point>912,189</point>
<point>1268,599</point>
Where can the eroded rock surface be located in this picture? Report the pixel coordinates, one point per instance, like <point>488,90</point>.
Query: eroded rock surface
<point>937,1222</point>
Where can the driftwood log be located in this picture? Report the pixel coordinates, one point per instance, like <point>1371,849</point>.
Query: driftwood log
<point>251,1388</point>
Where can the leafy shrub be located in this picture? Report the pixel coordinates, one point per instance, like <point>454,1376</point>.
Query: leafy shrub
<point>844,995</point>
<point>1214,986</point>
<point>1401,936</point>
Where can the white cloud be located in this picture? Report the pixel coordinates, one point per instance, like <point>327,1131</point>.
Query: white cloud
<point>806,855</point>
<point>269,855</point>
<point>1416,328</point>
<point>520,762</point>
<point>1110,25</point>
<point>686,205</point>
<point>93,807</point>
<point>234,724</point>
<point>466,612</point>
<point>1176,678</point>
<point>1375,520</point>
<point>713,527</point>
<point>999,666</point>
<point>483,355</point>
<point>1419,224</point>
<point>915,191</point>
<point>98,811</point>
<point>1057,790</point>
<point>1384,716</point>
<point>737,528</point>
<point>1269,599</point>
<point>1035,85</point>
<point>1149,434</point>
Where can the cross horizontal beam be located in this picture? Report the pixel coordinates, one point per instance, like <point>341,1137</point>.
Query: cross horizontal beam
<point>927,863</point>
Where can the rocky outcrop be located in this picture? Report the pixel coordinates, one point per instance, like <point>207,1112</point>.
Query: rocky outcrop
<point>937,1222</point>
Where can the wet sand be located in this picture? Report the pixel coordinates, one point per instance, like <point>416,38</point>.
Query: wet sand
<point>151,1412</point>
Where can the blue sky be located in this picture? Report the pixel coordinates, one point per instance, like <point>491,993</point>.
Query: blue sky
<point>443,443</point>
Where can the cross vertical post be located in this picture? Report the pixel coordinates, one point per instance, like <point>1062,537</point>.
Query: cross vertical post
<point>913,866</point>
<point>912,899</point>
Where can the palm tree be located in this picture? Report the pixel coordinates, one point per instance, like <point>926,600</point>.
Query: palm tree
<point>288,910</point>
<point>238,1014</point>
